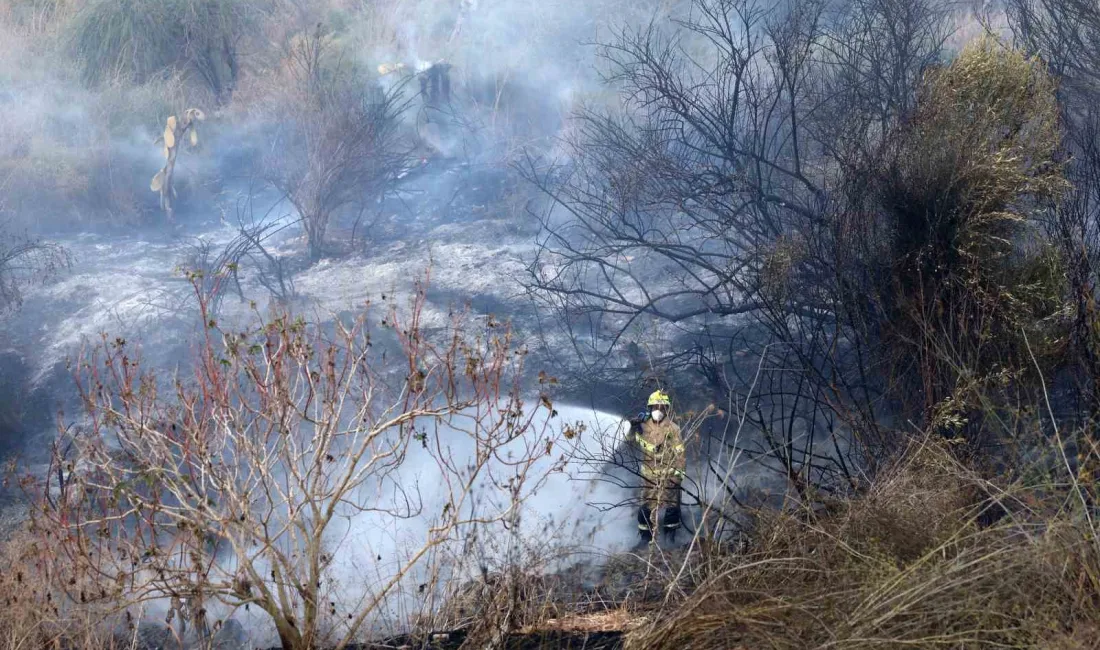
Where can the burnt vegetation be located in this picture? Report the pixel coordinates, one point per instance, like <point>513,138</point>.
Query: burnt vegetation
<point>858,240</point>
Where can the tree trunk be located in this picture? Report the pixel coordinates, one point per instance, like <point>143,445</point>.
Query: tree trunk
<point>289,637</point>
<point>315,236</point>
<point>316,251</point>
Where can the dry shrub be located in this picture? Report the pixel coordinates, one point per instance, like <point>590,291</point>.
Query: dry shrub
<point>139,40</point>
<point>498,604</point>
<point>335,138</point>
<point>524,582</point>
<point>154,499</point>
<point>59,185</point>
<point>915,507</point>
<point>904,566</point>
<point>34,615</point>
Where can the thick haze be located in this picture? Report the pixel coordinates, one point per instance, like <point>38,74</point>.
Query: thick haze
<point>642,217</point>
<point>464,213</point>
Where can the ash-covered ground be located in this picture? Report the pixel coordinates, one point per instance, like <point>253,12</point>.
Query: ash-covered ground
<point>449,223</point>
<point>471,231</point>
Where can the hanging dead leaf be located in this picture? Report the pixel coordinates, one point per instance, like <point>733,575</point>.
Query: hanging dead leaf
<point>157,182</point>
<point>169,138</point>
<point>194,137</point>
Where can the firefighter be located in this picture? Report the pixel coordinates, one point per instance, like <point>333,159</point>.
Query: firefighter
<point>435,84</point>
<point>662,467</point>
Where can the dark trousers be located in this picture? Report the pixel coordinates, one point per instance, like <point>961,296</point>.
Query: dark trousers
<point>660,506</point>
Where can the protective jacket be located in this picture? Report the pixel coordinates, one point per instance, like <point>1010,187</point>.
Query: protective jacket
<point>663,461</point>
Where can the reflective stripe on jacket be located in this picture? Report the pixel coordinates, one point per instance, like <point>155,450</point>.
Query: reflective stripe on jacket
<point>662,450</point>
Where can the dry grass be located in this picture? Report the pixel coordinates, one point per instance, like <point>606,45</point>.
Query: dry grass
<point>903,566</point>
<point>907,566</point>
<point>616,620</point>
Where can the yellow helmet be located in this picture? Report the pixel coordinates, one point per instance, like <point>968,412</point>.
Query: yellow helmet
<point>659,398</point>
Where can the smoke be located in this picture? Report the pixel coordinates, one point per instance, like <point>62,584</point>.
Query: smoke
<point>75,163</point>
<point>77,158</point>
<point>81,159</point>
<point>565,518</point>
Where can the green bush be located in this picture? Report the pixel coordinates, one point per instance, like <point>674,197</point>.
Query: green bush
<point>964,268</point>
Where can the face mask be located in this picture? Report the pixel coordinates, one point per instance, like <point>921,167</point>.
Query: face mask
<point>657,415</point>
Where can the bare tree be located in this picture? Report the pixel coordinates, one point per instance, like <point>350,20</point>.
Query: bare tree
<point>796,181</point>
<point>231,488</point>
<point>736,136</point>
<point>691,179</point>
<point>711,202</point>
<point>336,141</point>
<point>1067,34</point>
